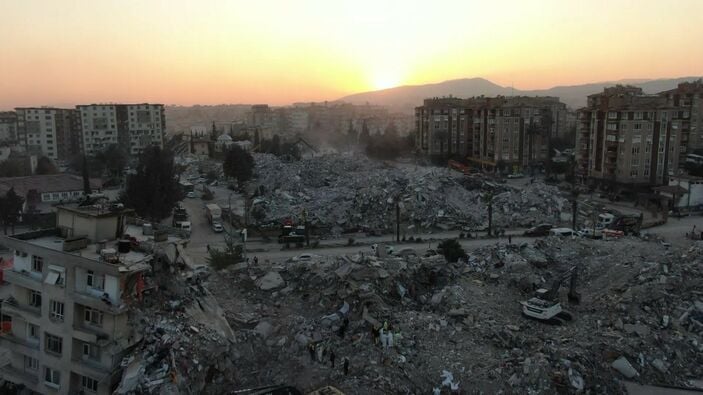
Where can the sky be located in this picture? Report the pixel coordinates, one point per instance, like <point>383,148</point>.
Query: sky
<point>64,52</point>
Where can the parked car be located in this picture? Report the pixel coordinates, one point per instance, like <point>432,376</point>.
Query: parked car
<point>191,195</point>
<point>217,227</point>
<point>516,175</point>
<point>303,257</point>
<point>562,232</point>
<point>539,230</point>
<point>405,252</point>
<point>590,233</point>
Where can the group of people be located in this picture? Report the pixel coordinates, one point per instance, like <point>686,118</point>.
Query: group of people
<point>386,335</point>
<point>319,351</point>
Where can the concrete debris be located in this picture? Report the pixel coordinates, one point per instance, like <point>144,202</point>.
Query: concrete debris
<point>460,322</point>
<point>623,366</point>
<point>344,193</point>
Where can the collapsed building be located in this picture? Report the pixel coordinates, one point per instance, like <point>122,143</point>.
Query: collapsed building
<point>344,193</point>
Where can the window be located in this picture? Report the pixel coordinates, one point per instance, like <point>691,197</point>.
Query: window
<point>37,263</point>
<point>32,331</point>
<point>95,281</point>
<point>635,149</point>
<point>612,115</point>
<point>35,299</point>
<point>52,378</point>
<point>31,363</point>
<point>638,126</point>
<point>91,351</point>
<point>612,126</point>
<point>93,317</point>
<point>53,343</point>
<point>56,310</point>
<point>89,384</point>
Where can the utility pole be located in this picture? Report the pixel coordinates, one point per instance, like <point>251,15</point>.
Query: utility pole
<point>305,222</point>
<point>397,220</point>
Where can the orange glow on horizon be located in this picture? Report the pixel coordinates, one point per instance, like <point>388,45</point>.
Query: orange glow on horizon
<point>280,52</point>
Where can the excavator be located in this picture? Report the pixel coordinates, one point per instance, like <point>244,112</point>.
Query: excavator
<point>544,306</point>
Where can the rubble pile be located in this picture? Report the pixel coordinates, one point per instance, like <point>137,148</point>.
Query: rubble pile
<point>345,192</point>
<point>460,325</point>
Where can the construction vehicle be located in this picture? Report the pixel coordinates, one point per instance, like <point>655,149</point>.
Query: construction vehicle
<point>213,213</point>
<point>545,305</point>
<point>628,224</point>
<point>291,233</point>
<point>180,215</point>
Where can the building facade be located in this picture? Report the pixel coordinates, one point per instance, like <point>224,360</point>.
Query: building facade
<point>51,132</point>
<point>8,126</point>
<point>625,137</point>
<point>687,99</point>
<point>69,306</point>
<point>136,126</point>
<point>488,131</point>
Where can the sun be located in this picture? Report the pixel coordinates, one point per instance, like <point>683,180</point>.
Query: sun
<point>385,80</point>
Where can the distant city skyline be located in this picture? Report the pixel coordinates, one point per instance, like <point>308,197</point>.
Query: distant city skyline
<point>280,52</point>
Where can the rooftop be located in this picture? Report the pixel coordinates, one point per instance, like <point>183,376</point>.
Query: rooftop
<point>46,183</point>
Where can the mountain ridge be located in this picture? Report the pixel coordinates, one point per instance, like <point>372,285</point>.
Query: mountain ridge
<point>404,98</point>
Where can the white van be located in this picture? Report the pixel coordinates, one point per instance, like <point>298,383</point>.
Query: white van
<point>562,232</point>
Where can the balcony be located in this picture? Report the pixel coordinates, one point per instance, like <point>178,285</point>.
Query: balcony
<point>97,303</point>
<point>88,334</point>
<point>18,376</point>
<point>12,307</point>
<point>19,345</point>
<point>91,368</point>
<point>23,279</point>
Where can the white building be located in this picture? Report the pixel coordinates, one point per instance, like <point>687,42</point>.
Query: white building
<point>223,143</point>
<point>136,126</point>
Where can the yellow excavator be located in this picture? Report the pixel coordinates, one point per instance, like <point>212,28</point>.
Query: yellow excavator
<point>545,306</point>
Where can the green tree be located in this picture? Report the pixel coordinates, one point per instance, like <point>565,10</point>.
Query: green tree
<point>10,209</point>
<point>153,190</point>
<point>46,166</point>
<point>113,159</point>
<point>238,164</point>
<point>231,254</point>
<point>451,249</point>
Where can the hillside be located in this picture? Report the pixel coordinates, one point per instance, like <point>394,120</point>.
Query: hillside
<point>405,98</point>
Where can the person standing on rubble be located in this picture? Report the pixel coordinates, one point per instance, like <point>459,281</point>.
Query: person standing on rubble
<point>346,366</point>
<point>311,350</point>
<point>332,357</point>
<point>375,334</point>
<point>343,327</point>
<point>510,238</point>
<point>256,260</point>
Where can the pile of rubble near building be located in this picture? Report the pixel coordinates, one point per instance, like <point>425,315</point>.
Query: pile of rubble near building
<point>461,324</point>
<point>352,192</point>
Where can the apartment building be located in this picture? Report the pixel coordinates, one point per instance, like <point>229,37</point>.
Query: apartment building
<point>47,131</point>
<point>8,126</point>
<point>488,131</point>
<point>71,287</point>
<point>687,99</point>
<point>628,138</point>
<point>136,126</point>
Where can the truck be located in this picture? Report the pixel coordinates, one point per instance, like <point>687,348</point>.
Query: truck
<point>180,215</point>
<point>291,233</point>
<point>629,224</point>
<point>213,212</point>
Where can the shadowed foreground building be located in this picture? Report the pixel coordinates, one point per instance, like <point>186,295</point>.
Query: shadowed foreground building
<point>71,290</point>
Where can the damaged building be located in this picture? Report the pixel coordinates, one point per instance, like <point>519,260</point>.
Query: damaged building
<point>71,290</point>
<point>512,130</point>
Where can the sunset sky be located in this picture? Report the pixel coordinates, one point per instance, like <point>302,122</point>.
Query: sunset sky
<point>63,52</point>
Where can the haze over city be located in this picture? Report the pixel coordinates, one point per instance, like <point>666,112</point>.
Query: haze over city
<point>279,52</point>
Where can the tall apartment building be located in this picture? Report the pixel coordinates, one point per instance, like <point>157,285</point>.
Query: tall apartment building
<point>8,126</point>
<point>625,137</point>
<point>688,99</point>
<point>71,288</point>
<point>511,130</point>
<point>136,126</point>
<point>52,132</point>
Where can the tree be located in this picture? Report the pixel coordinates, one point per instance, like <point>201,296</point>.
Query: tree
<point>451,249</point>
<point>232,253</point>
<point>10,209</point>
<point>12,168</point>
<point>238,164</point>
<point>46,166</point>
<point>365,136</point>
<point>114,159</point>
<point>153,190</point>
